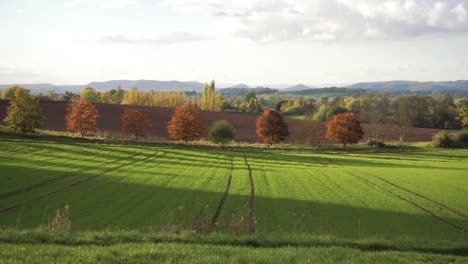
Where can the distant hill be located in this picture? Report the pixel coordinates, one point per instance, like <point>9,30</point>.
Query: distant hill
<point>331,91</point>
<point>114,84</point>
<point>412,86</point>
<point>299,87</point>
<point>241,91</point>
<point>241,85</point>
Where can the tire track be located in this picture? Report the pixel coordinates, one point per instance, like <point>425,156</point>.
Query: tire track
<point>214,220</point>
<point>54,180</point>
<point>70,186</point>
<point>252,199</point>
<point>420,196</point>
<point>427,211</point>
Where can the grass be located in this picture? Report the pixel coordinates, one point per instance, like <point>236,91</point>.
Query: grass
<point>180,253</point>
<point>297,117</point>
<point>406,203</point>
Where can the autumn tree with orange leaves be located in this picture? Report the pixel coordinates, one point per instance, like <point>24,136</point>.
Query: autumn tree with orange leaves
<point>82,117</point>
<point>271,127</point>
<point>185,124</point>
<point>134,123</point>
<point>344,128</point>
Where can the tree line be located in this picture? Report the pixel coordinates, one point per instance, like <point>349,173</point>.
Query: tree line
<point>376,109</point>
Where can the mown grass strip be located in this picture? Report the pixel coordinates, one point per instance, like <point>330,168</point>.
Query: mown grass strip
<point>54,180</point>
<point>70,186</point>
<point>214,220</point>
<point>252,199</point>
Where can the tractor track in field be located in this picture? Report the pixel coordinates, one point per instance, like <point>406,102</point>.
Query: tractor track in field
<point>454,211</point>
<point>252,199</point>
<point>427,211</point>
<point>70,186</point>
<point>214,220</point>
<point>54,180</point>
<point>420,195</point>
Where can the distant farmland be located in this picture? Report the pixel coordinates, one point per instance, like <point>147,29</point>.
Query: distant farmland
<point>244,123</point>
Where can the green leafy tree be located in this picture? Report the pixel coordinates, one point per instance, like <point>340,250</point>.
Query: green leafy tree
<point>249,96</point>
<point>211,99</point>
<point>327,112</point>
<point>221,133</point>
<point>89,94</point>
<point>9,92</point>
<point>24,113</point>
<point>463,115</point>
<point>254,106</point>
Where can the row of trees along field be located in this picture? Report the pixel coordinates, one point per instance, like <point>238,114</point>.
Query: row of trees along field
<point>25,115</point>
<point>376,109</point>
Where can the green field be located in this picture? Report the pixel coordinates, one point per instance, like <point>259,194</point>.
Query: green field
<point>413,199</point>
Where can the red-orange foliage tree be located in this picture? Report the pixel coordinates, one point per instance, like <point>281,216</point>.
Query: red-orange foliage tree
<point>82,117</point>
<point>134,123</point>
<point>271,127</point>
<point>185,123</point>
<point>345,128</point>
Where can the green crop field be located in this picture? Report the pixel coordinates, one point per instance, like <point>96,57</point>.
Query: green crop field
<point>413,201</point>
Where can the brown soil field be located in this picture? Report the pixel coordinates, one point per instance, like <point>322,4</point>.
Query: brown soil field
<point>109,122</point>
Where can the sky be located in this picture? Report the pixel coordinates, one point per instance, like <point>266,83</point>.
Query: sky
<point>254,42</point>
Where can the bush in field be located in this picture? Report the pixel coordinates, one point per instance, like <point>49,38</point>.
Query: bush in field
<point>24,113</point>
<point>375,143</point>
<point>344,128</point>
<point>462,136</point>
<point>443,140</point>
<point>82,117</point>
<point>221,133</point>
<point>185,124</point>
<point>271,127</point>
<point>134,123</point>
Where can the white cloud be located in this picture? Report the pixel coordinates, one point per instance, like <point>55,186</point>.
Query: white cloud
<point>460,12</point>
<point>277,20</point>
<point>104,3</point>
<point>167,39</point>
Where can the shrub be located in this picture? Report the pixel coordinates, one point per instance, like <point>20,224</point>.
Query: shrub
<point>61,222</point>
<point>462,136</point>
<point>443,140</point>
<point>221,133</point>
<point>375,143</point>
